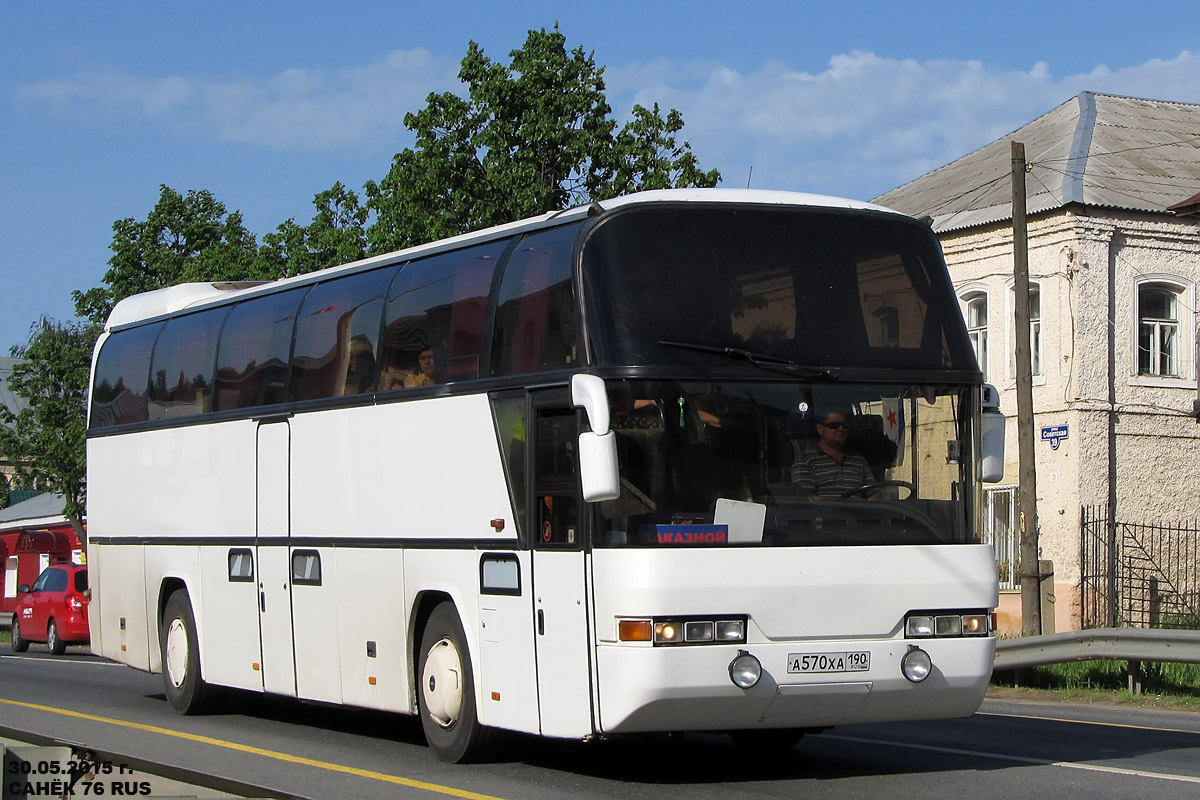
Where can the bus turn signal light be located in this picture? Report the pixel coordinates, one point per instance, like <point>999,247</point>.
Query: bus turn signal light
<point>635,630</point>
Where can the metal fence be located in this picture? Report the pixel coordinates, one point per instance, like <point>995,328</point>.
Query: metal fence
<point>1138,575</point>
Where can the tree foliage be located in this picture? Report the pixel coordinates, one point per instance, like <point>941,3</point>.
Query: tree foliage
<point>336,235</point>
<point>530,137</point>
<point>184,238</point>
<point>45,440</point>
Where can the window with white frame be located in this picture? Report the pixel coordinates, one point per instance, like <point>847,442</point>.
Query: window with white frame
<point>888,319</point>
<point>1000,531</point>
<point>1035,332</point>
<point>1158,340</point>
<point>976,313</point>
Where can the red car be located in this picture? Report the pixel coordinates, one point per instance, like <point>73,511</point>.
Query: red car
<point>54,611</point>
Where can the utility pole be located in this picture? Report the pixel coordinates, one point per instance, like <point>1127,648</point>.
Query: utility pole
<point>1031,610</point>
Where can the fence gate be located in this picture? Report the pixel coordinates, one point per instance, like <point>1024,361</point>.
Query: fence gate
<point>1140,575</point>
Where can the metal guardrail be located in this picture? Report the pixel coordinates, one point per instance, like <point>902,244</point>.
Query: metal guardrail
<point>1124,644</point>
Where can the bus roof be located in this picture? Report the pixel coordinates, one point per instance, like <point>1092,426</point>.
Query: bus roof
<point>173,299</point>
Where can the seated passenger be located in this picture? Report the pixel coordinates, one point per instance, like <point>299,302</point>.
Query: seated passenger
<point>830,470</point>
<point>396,378</point>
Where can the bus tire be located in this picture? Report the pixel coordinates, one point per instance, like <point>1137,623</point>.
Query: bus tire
<point>185,687</point>
<point>19,645</point>
<point>53,640</point>
<point>446,691</point>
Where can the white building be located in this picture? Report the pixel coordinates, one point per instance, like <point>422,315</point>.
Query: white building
<point>1114,261</point>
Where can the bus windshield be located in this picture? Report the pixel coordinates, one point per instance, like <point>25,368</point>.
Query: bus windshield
<point>787,288</point>
<point>782,463</point>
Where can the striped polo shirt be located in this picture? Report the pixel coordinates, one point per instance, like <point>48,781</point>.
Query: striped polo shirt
<point>821,474</point>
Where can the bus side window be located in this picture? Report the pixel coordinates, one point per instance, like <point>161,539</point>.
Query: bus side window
<point>122,380</point>
<point>557,481</point>
<point>252,358</point>
<point>438,304</point>
<point>181,370</point>
<point>535,316</point>
<point>337,336</point>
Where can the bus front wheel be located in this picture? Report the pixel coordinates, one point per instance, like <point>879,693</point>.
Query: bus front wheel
<point>446,692</point>
<point>186,690</point>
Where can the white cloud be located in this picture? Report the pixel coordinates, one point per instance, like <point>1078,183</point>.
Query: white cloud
<point>867,124</point>
<point>863,125</point>
<point>298,108</point>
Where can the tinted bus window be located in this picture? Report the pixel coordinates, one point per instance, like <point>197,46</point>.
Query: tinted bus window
<point>818,287</point>
<point>337,337</point>
<point>252,361</point>
<point>435,318</point>
<point>122,377</point>
<point>535,315</point>
<point>181,372</point>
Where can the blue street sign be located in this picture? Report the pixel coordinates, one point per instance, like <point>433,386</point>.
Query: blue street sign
<point>1055,434</point>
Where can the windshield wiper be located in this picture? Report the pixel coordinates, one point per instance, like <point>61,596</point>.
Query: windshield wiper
<point>761,360</point>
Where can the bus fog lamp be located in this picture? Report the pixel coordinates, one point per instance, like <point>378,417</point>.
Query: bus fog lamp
<point>916,664</point>
<point>745,670</point>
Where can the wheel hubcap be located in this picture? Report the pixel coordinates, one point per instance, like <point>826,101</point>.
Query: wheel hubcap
<point>176,653</point>
<point>441,684</point>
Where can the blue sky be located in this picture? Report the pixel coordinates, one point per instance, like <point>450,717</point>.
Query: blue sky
<point>266,103</point>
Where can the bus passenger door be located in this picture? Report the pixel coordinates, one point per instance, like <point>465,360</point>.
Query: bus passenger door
<point>272,533</point>
<point>559,573</point>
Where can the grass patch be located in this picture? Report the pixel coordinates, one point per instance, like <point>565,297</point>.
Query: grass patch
<point>1180,680</point>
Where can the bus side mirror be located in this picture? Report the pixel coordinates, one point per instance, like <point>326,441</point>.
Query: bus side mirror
<point>991,438</point>
<point>598,474</point>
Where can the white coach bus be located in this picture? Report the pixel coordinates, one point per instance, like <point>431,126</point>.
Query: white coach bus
<point>556,477</point>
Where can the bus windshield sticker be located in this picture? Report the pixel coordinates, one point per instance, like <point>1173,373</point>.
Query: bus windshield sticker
<point>684,534</point>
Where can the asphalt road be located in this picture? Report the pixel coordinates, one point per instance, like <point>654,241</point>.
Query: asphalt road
<point>1010,750</point>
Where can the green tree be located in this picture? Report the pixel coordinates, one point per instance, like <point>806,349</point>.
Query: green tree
<point>336,235</point>
<point>45,440</point>
<point>184,238</point>
<point>530,137</point>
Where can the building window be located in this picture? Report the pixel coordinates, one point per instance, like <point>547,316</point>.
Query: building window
<point>1158,330</point>
<point>977,327</point>
<point>888,319</point>
<point>1000,531</point>
<point>1035,332</point>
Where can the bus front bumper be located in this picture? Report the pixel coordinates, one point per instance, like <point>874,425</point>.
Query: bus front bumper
<point>689,688</point>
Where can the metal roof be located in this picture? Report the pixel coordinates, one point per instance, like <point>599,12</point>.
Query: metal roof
<point>1095,149</point>
<point>44,509</point>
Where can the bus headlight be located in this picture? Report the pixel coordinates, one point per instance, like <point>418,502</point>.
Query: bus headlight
<point>916,664</point>
<point>745,670</point>
<point>949,625</point>
<point>674,631</point>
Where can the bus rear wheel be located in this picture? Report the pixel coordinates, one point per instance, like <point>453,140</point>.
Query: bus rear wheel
<point>446,691</point>
<point>185,688</point>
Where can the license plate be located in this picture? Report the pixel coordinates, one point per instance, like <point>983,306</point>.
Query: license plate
<point>829,662</point>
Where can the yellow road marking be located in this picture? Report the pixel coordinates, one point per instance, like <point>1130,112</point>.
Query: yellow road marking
<point>1086,722</point>
<point>258,751</point>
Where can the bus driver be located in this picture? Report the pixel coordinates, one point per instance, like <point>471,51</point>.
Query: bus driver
<point>830,470</point>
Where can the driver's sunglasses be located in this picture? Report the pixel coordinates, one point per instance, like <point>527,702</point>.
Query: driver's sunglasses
<point>835,426</point>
